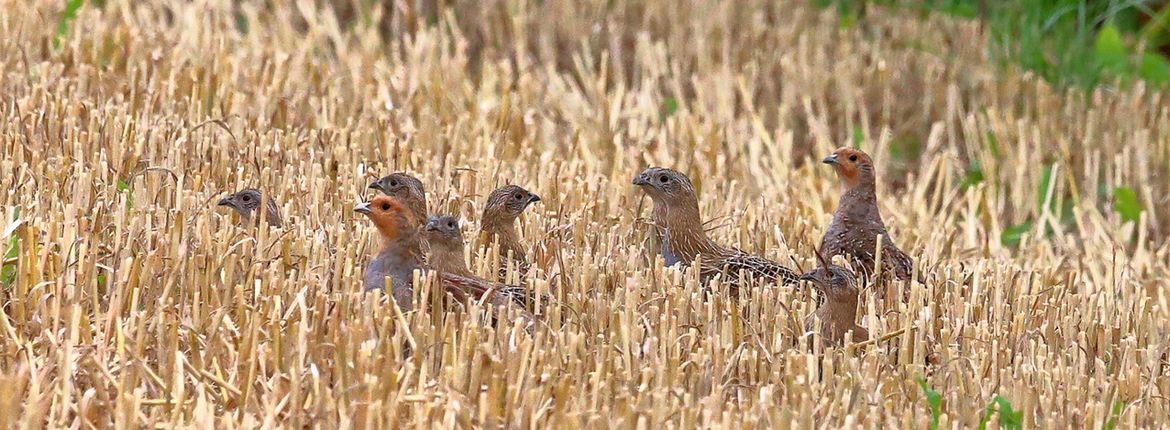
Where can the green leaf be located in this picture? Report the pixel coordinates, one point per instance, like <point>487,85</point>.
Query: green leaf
<point>1042,190</point>
<point>1008,418</point>
<point>8,271</point>
<point>934,399</point>
<point>242,25</point>
<point>974,175</point>
<point>1154,69</point>
<point>1125,202</point>
<point>71,8</point>
<point>1111,423</point>
<point>1011,236</point>
<point>122,186</point>
<point>858,136</point>
<point>1110,50</point>
<point>670,106</point>
<point>993,144</point>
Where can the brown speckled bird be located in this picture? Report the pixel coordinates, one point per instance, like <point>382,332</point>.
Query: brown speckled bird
<point>498,222</point>
<point>857,223</point>
<point>676,216</point>
<point>407,189</point>
<point>838,308</point>
<point>401,255</point>
<point>446,240</point>
<point>245,201</point>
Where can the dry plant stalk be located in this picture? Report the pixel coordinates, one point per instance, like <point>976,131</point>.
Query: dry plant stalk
<point>132,301</point>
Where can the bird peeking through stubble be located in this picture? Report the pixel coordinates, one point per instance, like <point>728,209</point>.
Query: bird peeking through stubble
<point>446,240</point>
<point>857,223</point>
<point>498,223</point>
<point>407,189</point>
<point>401,255</point>
<point>683,238</point>
<point>838,308</point>
<point>246,201</point>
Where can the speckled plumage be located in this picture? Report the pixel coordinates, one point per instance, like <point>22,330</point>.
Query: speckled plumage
<point>857,223</point>
<point>247,200</point>
<point>498,223</point>
<point>407,189</point>
<point>683,239</point>
<point>837,311</point>
<point>401,256</point>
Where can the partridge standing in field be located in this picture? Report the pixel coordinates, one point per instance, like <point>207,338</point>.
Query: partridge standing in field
<point>446,240</point>
<point>401,255</point>
<point>245,201</point>
<point>676,216</point>
<point>498,223</point>
<point>407,189</point>
<point>838,309</point>
<point>857,223</point>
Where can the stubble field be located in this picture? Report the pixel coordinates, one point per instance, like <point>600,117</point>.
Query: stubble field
<point>1040,219</point>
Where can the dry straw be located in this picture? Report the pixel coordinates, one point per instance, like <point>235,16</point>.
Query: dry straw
<point>133,301</point>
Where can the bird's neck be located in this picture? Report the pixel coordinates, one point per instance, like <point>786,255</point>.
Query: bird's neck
<point>682,229</point>
<point>839,310</point>
<point>863,191</point>
<point>496,227</point>
<point>448,258</point>
<point>404,251</point>
<point>496,220</point>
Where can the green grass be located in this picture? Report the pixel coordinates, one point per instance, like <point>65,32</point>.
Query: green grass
<point>1009,418</point>
<point>8,271</point>
<point>71,8</point>
<point>1070,43</point>
<point>933,399</point>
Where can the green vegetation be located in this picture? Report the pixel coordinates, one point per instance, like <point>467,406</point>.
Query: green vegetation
<point>1008,418</point>
<point>934,399</point>
<point>7,269</point>
<point>1068,42</point>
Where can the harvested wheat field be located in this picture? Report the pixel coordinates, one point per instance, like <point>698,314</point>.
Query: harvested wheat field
<point>1038,218</point>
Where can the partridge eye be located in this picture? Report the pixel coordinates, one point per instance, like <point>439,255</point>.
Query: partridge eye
<point>518,196</point>
<point>246,198</point>
<point>663,179</point>
<point>385,206</point>
<point>450,225</point>
<point>853,157</point>
<point>393,183</point>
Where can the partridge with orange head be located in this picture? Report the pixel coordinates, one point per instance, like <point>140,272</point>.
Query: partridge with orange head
<point>856,225</point>
<point>401,255</point>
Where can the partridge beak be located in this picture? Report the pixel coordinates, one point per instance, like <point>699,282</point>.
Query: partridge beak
<point>831,159</point>
<point>431,227</point>
<point>375,186</point>
<point>226,201</point>
<point>535,198</point>
<point>363,207</point>
<point>641,180</point>
<point>808,276</point>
